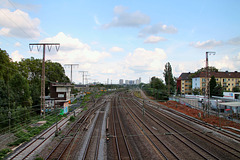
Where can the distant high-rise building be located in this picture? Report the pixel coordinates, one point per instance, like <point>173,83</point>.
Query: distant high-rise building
<point>126,82</point>
<point>140,80</point>
<point>131,82</point>
<point>121,81</point>
<point>137,81</point>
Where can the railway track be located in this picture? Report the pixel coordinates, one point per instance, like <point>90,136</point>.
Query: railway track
<point>122,146</point>
<point>209,126</point>
<point>187,144</point>
<point>212,141</point>
<point>37,142</point>
<point>92,147</point>
<point>163,150</point>
<point>64,148</point>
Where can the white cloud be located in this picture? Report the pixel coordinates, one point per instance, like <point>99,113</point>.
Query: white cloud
<point>96,20</point>
<point>18,24</point>
<point>16,56</point>
<point>126,19</point>
<point>225,63</point>
<point>18,44</point>
<point>154,39</point>
<point>140,63</point>
<point>73,51</point>
<point>10,5</point>
<point>209,44</point>
<point>156,29</point>
<point>116,49</point>
<point>234,41</point>
<point>238,57</point>
<point>142,60</point>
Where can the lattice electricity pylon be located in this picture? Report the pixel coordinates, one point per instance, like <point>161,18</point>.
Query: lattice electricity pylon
<point>49,46</point>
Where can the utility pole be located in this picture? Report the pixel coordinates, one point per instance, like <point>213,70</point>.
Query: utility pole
<point>207,87</point>
<point>49,46</point>
<point>83,74</point>
<point>71,68</point>
<point>87,78</point>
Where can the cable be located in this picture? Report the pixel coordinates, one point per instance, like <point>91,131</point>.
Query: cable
<point>21,15</point>
<point>16,24</point>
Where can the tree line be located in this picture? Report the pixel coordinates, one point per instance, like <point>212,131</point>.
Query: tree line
<point>160,90</point>
<point>20,87</point>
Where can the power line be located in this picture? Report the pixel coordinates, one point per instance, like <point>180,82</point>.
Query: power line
<point>16,24</point>
<point>21,15</point>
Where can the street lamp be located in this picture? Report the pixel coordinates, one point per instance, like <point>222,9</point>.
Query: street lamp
<point>207,88</point>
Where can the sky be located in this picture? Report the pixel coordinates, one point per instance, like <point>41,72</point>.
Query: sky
<point>114,40</point>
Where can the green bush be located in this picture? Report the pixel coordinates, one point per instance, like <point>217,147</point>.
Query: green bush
<point>72,119</point>
<point>4,152</point>
<point>39,158</point>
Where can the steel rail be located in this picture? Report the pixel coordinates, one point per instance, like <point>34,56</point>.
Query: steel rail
<point>153,117</point>
<point>197,131</point>
<point>29,145</point>
<point>160,151</point>
<point>81,120</point>
<point>121,127</point>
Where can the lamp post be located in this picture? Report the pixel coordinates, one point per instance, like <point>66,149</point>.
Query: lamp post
<point>207,88</point>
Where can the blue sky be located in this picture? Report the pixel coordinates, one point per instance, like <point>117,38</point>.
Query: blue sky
<point>124,39</point>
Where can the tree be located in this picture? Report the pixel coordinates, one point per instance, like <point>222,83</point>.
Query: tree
<point>197,91</point>
<point>31,69</point>
<point>19,86</point>
<point>6,66</point>
<point>157,83</point>
<point>236,89</point>
<point>215,89</point>
<point>210,69</point>
<point>169,80</point>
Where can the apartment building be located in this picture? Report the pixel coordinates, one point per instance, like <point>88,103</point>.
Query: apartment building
<point>184,83</point>
<point>228,80</point>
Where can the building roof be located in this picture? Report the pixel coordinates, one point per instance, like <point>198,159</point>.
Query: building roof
<point>184,76</point>
<point>220,74</point>
<point>80,85</point>
<point>232,104</point>
<point>57,84</point>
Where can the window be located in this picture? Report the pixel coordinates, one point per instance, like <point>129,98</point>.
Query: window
<point>60,95</point>
<point>224,80</point>
<point>228,79</point>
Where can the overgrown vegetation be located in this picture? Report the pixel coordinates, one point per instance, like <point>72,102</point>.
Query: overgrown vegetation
<point>20,85</point>
<point>4,152</point>
<point>72,119</point>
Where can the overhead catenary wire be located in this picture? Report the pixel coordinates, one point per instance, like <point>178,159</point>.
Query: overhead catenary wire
<point>17,25</point>
<point>30,24</point>
<point>16,129</point>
